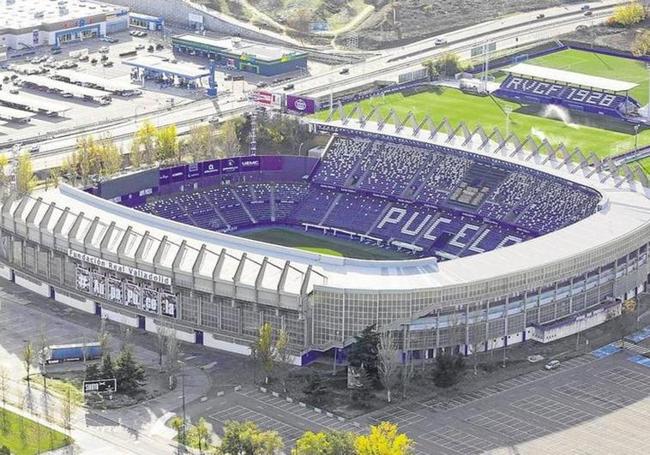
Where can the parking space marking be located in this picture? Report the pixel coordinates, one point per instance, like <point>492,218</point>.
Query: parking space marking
<point>514,428</point>
<point>552,410</point>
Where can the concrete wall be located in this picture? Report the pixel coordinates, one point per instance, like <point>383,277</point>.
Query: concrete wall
<point>177,11</point>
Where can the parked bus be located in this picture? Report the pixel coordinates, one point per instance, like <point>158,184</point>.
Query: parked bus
<point>71,353</point>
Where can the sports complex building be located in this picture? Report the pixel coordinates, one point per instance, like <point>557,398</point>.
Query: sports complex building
<point>31,23</point>
<point>499,244</point>
<point>235,53</point>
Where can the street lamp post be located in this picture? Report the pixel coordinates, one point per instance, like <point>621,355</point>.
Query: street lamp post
<point>636,138</point>
<point>508,111</point>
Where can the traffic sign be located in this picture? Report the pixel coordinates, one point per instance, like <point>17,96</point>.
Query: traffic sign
<point>100,385</point>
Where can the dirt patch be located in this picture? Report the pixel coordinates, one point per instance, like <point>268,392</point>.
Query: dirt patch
<point>612,37</point>
<point>404,21</point>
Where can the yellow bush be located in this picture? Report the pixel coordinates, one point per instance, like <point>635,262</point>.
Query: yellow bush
<point>629,14</point>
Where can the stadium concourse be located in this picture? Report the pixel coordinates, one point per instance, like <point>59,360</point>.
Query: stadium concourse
<point>507,245</point>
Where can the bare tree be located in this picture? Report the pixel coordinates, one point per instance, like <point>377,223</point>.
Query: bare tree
<point>126,335</point>
<point>103,337</point>
<point>4,388</point>
<point>163,333</point>
<point>42,345</point>
<point>172,350</point>
<point>28,358</point>
<point>388,353</point>
<point>282,356</point>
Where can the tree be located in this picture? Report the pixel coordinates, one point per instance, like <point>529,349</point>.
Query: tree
<point>178,424</point>
<point>448,64</point>
<point>384,439</point>
<point>388,354</point>
<point>4,389</point>
<point>628,14</point>
<point>172,350</point>
<point>448,370</point>
<point>55,177</point>
<point>24,174</point>
<point>432,71</point>
<point>245,438</point>
<point>68,408</point>
<point>199,435</point>
<point>4,162</point>
<point>361,394</point>
<point>145,141</point>
<point>93,372</point>
<point>282,356</point>
<point>325,443</point>
<point>28,358</point>
<point>109,157</point>
<point>228,140</point>
<point>364,352</point>
<point>263,350</point>
<point>199,142</point>
<point>641,45</point>
<point>163,333</point>
<point>315,389</point>
<point>129,374</point>
<point>107,369</point>
<point>167,145</point>
<point>103,337</point>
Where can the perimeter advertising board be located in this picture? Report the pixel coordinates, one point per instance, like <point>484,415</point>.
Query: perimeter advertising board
<point>267,99</point>
<point>300,104</point>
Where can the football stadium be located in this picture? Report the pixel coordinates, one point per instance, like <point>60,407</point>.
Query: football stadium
<point>452,240</point>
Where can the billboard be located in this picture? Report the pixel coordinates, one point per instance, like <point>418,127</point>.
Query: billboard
<point>268,99</point>
<point>100,385</point>
<point>251,163</point>
<point>211,167</point>
<point>230,165</point>
<point>301,104</point>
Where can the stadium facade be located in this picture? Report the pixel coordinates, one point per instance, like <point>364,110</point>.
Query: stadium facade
<point>581,250</point>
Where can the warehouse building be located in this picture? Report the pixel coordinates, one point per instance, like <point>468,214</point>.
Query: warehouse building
<point>30,23</point>
<point>146,22</point>
<point>236,53</point>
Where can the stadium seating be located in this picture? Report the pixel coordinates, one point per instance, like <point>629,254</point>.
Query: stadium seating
<point>435,201</point>
<point>341,159</point>
<point>527,90</point>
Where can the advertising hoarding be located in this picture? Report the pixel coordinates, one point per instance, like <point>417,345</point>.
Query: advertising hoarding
<point>301,104</point>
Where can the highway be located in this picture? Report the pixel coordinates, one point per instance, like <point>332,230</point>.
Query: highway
<point>516,30</point>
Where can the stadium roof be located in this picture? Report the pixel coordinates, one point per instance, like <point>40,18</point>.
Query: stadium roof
<point>625,212</point>
<point>153,63</point>
<point>34,103</point>
<point>571,78</point>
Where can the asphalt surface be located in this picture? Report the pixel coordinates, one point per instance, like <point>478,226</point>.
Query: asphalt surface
<point>589,405</point>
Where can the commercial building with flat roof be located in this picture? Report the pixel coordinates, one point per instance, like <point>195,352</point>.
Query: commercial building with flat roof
<point>31,23</point>
<point>236,53</point>
<point>146,22</point>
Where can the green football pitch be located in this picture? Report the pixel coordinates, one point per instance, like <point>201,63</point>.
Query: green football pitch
<point>24,436</point>
<point>490,112</point>
<point>317,243</point>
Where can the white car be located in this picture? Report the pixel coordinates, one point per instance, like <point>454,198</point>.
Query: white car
<point>440,41</point>
<point>552,365</point>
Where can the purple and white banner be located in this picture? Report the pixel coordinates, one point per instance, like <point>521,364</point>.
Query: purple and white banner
<point>301,104</point>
